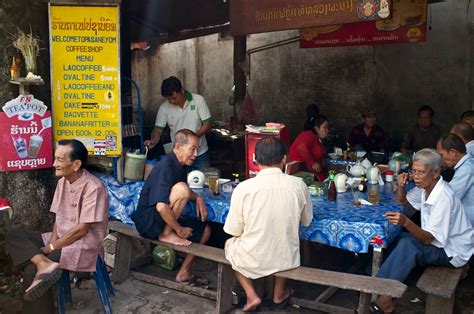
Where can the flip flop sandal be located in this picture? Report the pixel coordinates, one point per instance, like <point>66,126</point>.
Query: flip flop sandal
<point>285,303</point>
<point>196,281</point>
<point>46,281</point>
<point>375,308</point>
<point>255,310</point>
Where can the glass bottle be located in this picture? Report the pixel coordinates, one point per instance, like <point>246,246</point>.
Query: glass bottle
<point>363,183</point>
<point>14,69</point>
<point>332,193</point>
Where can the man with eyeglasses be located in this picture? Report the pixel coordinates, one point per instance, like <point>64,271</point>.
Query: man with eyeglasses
<point>445,237</point>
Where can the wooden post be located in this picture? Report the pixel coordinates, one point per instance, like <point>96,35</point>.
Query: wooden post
<point>436,304</point>
<point>240,79</point>
<point>120,168</point>
<point>224,288</point>
<point>376,262</point>
<point>123,254</point>
<point>364,303</point>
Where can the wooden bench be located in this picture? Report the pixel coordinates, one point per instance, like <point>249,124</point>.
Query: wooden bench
<point>364,284</point>
<point>439,284</point>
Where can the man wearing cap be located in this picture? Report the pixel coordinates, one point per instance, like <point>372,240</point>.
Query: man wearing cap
<point>183,110</point>
<point>163,199</point>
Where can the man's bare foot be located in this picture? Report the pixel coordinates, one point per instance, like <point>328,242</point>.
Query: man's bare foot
<point>283,297</point>
<point>46,267</point>
<point>174,239</point>
<point>251,304</point>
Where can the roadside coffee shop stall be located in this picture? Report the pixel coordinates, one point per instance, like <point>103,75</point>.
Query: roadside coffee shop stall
<point>334,228</point>
<point>89,103</point>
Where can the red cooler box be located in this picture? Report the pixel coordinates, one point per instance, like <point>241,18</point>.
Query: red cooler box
<point>251,139</point>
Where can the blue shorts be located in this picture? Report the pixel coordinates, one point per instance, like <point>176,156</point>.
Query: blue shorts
<point>150,224</point>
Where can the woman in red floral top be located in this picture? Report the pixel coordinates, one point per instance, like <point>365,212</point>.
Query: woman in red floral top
<point>308,147</point>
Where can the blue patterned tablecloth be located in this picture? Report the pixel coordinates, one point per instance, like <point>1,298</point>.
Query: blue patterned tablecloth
<point>340,162</point>
<point>339,224</point>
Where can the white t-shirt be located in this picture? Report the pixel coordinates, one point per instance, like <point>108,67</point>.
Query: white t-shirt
<point>443,215</point>
<point>193,114</point>
<point>264,218</point>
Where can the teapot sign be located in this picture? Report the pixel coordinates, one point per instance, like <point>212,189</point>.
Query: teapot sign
<point>25,135</point>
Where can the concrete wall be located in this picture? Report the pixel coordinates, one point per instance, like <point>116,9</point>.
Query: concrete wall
<point>397,79</point>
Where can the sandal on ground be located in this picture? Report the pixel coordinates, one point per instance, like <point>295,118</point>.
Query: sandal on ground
<point>196,281</point>
<point>375,308</point>
<point>285,303</point>
<point>41,284</point>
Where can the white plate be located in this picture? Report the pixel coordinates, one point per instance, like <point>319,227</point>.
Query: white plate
<point>222,181</point>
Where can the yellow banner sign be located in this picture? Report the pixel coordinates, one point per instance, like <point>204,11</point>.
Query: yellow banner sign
<point>85,76</point>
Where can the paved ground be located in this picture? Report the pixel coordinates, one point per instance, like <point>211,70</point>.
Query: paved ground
<point>133,296</point>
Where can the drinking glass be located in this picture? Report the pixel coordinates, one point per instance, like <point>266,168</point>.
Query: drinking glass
<point>213,182</point>
<point>374,194</point>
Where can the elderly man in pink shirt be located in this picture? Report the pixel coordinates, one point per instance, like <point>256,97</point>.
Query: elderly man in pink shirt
<point>81,206</point>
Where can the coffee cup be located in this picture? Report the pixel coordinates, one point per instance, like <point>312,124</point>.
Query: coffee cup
<point>35,145</point>
<point>20,146</point>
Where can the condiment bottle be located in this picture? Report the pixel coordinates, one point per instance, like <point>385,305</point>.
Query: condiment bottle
<point>346,152</point>
<point>363,183</point>
<point>332,193</point>
<point>236,180</point>
<point>236,177</point>
<point>14,70</point>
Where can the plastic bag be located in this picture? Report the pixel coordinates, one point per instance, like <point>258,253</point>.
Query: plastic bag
<point>247,112</point>
<point>164,257</point>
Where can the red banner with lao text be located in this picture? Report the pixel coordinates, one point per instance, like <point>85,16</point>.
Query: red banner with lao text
<point>407,25</point>
<point>25,135</point>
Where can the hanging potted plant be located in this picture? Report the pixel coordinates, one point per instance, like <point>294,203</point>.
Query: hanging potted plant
<point>29,48</point>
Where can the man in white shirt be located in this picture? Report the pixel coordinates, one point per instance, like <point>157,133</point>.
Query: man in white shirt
<point>465,131</point>
<point>445,237</point>
<point>182,110</point>
<point>264,219</point>
<point>453,151</point>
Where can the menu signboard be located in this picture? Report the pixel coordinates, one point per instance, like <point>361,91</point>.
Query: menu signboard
<point>407,25</point>
<point>25,135</point>
<point>85,76</point>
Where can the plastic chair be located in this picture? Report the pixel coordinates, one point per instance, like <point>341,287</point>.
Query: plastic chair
<point>102,280</point>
